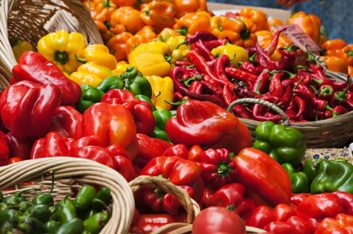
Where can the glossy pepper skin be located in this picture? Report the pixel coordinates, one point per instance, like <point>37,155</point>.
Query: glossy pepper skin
<point>284,144</point>
<point>27,108</point>
<point>333,176</point>
<point>193,22</point>
<point>4,149</point>
<point>99,54</point>
<point>184,7</point>
<point>36,68</point>
<point>205,123</point>
<point>309,23</point>
<point>141,110</point>
<point>68,121</point>
<point>235,53</point>
<point>340,224</point>
<point>90,95</point>
<point>160,15</point>
<point>112,124</point>
<point>260,173</point>
<point>62,48</point>
<point>299,180</point>
<point>90,74</point>
<point>163,90</point>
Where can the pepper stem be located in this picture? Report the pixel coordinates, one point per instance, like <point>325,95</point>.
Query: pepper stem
<point>183,31</point>
<point>223,169</point>
<point>61,57</point>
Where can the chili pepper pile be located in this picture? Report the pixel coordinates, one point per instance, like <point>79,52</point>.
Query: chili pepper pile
<point>304,92</point>
<point>88,212</point>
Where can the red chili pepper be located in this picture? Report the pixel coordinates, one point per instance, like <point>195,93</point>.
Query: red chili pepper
<point>212,85</point>
<point>276,87</point>
<point>262,82</point>
<point>261,112</point>
<point>219,68</point>
<point>202,35</point>
<point>287,96</point>
<point>33,67</point>
<point>141,110</point>
<point>217,167</point>
<point>340,97</point>
<point>196,87</point>
<point>215,43</point>
<point>176,150</point>
<point>339,110</point>
<point>270,49</point>
<point>243,91</point>
<point>296,108</point>
<point>241,75</point>
<point>203,50</point>
<point>27,108</point>
<point>228,95</point>
<point>249,67</point>
<point>326,92</point>
<point>68,121</point>
<point>350,100</point>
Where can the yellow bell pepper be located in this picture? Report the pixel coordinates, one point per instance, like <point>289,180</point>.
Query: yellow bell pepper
<point>120,68</point>
<point>19,46</point>
<point>179,48</point>
<point>91,74</point>
<point>62,48</point>
<point>149,58</point>
<point>99,54</point>
<point>235,53</point>
<point>163,90</point>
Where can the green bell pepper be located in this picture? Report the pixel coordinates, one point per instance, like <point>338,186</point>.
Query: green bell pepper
<point>89,96</point>
<point>284,144</point>
<point>162,116</point>
<point>146,99</point>
<point>311,168</point>
<point>139,85</point>
<point>333,176</point>
<point>113,82</point>
<point>160,133</point>
<point>298,179</point>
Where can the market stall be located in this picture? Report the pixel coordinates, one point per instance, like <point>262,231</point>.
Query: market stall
<point>172,117</point>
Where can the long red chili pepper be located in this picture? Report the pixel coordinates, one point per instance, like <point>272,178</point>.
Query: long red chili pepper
<point>296,109</point>
<point>204,51</point>
<point>215,43</point>
<point>262,82</point>
<point>270,49</point>
<point>276,87</point>
<point>219,68</point>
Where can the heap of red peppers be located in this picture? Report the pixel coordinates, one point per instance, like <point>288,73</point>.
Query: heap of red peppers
<point>295,83</point>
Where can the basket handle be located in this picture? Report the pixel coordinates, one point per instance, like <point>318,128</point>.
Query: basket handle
<point>191,206</point>
<point>285,119</point>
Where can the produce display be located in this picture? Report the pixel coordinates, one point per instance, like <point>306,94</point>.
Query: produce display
<point>159,98</point>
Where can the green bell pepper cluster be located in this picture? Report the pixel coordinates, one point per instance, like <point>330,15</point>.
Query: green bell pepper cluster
<point>87,213</point>
<point>299,180</point>
<point>284,144</point>
<point>131,80</point>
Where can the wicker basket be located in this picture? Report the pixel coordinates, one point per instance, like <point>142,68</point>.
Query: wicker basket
<point>31,19</point>
<point>333,132</point>
<point>70,173</point>
<point>191,207</point>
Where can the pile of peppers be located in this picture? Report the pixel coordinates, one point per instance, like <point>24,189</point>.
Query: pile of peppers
<point>87,213</point>
<point>300,88</point>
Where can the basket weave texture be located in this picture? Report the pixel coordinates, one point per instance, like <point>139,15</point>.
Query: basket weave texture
<point>70,173</point>
<point>31,19</point>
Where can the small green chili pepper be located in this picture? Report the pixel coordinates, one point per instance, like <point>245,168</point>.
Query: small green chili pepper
<point>66,211</point>
<point>104,195</point>
<point>31,225</point>
<point>41,212</point>
<point>96,222</point>
<point>52,226</point>
<point>43,198</point>
<point>8,216</point>
<point>73,226</point>
<point>85,197</point>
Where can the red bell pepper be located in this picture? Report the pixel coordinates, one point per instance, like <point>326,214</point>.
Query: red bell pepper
<point>260,217</point>
<point>282,212</point>
<point>34,67</point>
<point>296,199</point>
<point>217,167</point>
<point>112,124</point>
<point>27,108</point>
<point>179,171</point>
<point>346,200</point>
<point>263,175</point>
<point>280,227</point>
<point>53,144</point>
<point>320,206</point>
<point>149,148</point>
<point>141,110</point>
<point>195,152</point>
<point>177,150</point>
<point>341,224</point>
<point>301,225</point>
<point>19,147</point>
<point>207,124</point>
<point>68,121</point>
<point>147,223</point>
<point>4,149</point>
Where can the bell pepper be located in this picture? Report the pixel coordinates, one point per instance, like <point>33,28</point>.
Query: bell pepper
<point>120,68</point>
<point>207,124</point>
<point>147,32</point>
<point>27,108</point>
<point>53,144</point>
<point>284,144</point>
<point>165,34</point>
<point>19,47</point>
<point>19,147</point>
<point>61,48</point>
<point>258,17</point>
<point>217,167</point>
<point>149,148</point>
<point>193,22</point>
<point>113,82</point>
<point>117,45</point>
<point>342,223</point>
<point>264,38</point>
<point>333,176</point>
<point>299,180</point>
<point>178,47</point>
<point>224,27</point>
<point>179,150</point>
<point>68,121</point>
<point>235,53</point>
<point>90,95</point>
<point>158,14</point>
<point>184,7</point>
<point>162,116</point>
<point>112,124</point>
<point>98,54</point>
<point>336,64</point>
<point>4,149</point>
<point>334,47</point>
<point>163,90</point>
<point>347,201</point>
<point>129,17</point>
<point>320,206</point>
<point>260,217</point>
<point>140,110</point>
<point>147,223</point>
<point>309,23</point>
<point>272,185</point>
<point>90,74</point>
<point>149,58</point>
<point>348,54</point>
<point>34,67</point>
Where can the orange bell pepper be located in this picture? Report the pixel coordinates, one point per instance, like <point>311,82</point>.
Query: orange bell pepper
<point>121,3</point>
<point>184,7</point>
<point>147,32</point>
<point>224,27</point>
<point>334,47</point>
<point>193,22</point>
<point>265,37</point>
<point>258,17</point>
<point>117,45</point>
<point>134,41</point>
<point>309,23</point>
<point>350,70</point>
<point>348,54</point>
<point>158,14</point>
<point>336,64</point>
<point>129,17</point>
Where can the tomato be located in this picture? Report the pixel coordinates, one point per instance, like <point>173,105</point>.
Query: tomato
<point>218,220</point>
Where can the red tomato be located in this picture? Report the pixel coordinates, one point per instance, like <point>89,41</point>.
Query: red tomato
<point>218,220</point>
